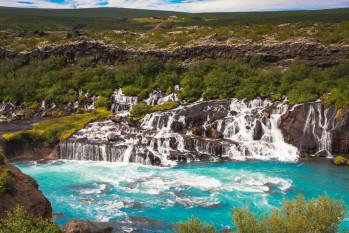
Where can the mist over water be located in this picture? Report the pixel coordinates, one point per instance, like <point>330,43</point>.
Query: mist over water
<point>105,191</point>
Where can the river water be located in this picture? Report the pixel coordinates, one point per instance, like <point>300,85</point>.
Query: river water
<point>105,191</point>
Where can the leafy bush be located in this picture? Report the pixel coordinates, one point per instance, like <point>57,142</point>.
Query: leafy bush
<point>19,220</point>
<point>4,180</point>
<point>55,130</point>
<point>103,102</point>
<point>194,225</point>
<point>317,215</point>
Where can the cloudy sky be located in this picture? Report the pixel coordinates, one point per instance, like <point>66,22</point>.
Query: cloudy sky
<point>184,5</point>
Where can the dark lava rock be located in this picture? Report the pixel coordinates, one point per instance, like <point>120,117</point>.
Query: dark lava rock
<point>258,131</point>
<point>23,190</point>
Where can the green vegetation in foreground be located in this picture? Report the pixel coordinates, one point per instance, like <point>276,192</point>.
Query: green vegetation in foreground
<point>19,220</point>
<point>341,160</point>
<point>4,180</point>
<point>55,81</point>
<point>2,155</point>
<point>146,29</point>
<point>55,130</point>
<point>317,215</point>
<point>138,111</point>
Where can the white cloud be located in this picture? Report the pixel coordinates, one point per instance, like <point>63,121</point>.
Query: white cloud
<point>188,5</point>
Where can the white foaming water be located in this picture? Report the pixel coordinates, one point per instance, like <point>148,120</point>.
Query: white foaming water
<point>230,129</point>
<point>240,128</point>
<point>121,104</point>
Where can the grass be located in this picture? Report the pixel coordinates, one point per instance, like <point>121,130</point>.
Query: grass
<point>56,130</point>
<point>138,111</point>
<point>4,180</point>
<point>156,29</point>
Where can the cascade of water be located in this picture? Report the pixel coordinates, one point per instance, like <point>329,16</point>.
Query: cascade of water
<point>319,124</point>
<point>157,97</point>
<point>121,104</point>
<point>202,130</point>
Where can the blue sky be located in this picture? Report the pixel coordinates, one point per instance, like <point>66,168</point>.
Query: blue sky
<point>184,5</point>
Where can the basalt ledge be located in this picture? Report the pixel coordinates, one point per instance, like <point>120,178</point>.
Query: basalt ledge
<point>281,53</point>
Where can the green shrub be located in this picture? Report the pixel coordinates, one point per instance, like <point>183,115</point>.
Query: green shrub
<point>340,160</point>
<point>2,155</point>
<point>194,225</point>
<point>317,215</point>
<point>103,102</point>
<point>4,180</point>
<point>321,215</point>
<point>19,220</point>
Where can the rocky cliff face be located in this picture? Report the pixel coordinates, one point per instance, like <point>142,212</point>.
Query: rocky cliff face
<point>279,53</point>
<point>315,130</point>
<point>23,190</point>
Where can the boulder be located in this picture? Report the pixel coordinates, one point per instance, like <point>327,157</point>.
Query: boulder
<point>23,190</point>
<point>257,131</point>
<point>81,226</point>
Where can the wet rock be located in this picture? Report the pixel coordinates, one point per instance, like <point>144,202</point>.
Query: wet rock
<point>82,226</point>
<point>117,119</point>
<point>258,131</point>
<point>112,137</point>
<point>177,126</point>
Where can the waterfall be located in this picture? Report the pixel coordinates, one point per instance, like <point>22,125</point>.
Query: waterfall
<point>156,97</point>
<point>318,124</point>
<point>205,130</point>
<point>121,104</point>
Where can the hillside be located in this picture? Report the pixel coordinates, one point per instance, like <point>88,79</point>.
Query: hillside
<point>116,18</point>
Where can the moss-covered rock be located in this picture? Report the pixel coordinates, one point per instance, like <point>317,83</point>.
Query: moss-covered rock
<point>340,160</point>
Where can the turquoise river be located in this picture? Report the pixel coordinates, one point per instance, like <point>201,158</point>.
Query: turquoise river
<point>119,191</point>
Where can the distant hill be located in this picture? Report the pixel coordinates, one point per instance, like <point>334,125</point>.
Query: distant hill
<point>121,18</point>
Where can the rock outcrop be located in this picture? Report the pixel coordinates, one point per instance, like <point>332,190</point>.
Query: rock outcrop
<point>82,226</point>
<point>280,53</point>
<point>315,130</point>
<point>23,190</point>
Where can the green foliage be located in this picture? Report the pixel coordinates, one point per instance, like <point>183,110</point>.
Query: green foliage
<point>340,160</point>
<point>138,111</point>
<point>147,29</point>
<point>19,220</point>
<point>317,215</point>
<point>2,155</point>
<point>321,215</point>
<point>54,81</point>
<point>103,102</point>
<point>4,180</point>
<point>55,130</point>
<point>194,225</point>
